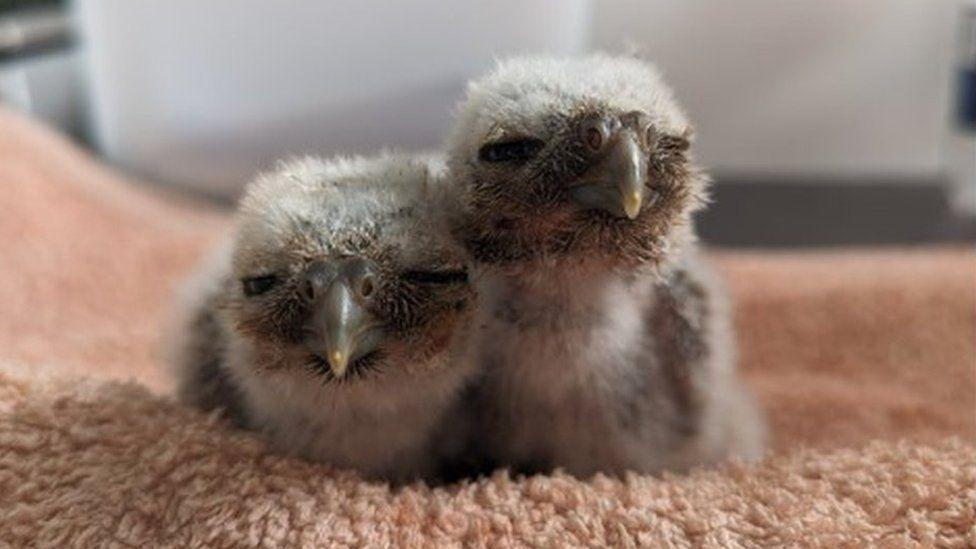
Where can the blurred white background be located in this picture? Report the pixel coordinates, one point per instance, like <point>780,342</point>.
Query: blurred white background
<point>203,94</point>
<point>854,86</point>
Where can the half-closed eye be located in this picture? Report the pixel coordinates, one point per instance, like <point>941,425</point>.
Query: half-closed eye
<point>674,143</point>
<point>515,150</point>
<point>435,277</point>
<point>257,285</point>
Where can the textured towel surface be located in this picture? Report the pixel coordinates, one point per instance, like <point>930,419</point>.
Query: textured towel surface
<point>87,465</point>
<point>89,260</point>
<point>843,348</point>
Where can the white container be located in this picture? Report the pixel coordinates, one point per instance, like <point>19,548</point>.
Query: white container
<point>205,93</point>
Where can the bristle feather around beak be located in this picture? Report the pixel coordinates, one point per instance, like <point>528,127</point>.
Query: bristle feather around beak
<point>341,328</point>
<point>615,184</point>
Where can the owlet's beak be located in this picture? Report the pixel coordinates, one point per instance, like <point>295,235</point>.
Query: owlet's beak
<point>615,182</point>
<point>341,329</point>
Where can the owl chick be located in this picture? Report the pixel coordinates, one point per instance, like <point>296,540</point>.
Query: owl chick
<point>328,324</point>
<point>603,341</point>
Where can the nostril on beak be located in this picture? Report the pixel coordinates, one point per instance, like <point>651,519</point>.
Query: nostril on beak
<point>309,290</point>
<point>366,286</point>
<point>650,136</point>
<point>595,132</point>
<point>594,138</point>
<point>315,284</point>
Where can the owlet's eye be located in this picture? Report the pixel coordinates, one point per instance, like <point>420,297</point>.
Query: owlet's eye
<point>518,150</point>
<point>435,277</point>
<point>258,285</point>
<point>674,143</point>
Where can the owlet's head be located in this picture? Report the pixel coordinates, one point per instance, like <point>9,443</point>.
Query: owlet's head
<point>341,268</point>
<point>573,158</point>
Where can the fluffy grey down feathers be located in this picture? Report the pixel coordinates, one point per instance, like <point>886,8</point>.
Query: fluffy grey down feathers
<point>578,340</point>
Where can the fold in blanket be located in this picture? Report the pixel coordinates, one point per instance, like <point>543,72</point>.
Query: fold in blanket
<point>841,347</point>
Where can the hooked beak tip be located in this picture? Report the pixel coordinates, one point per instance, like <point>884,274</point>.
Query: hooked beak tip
<point>632,204</point>
<point>338,361</point>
